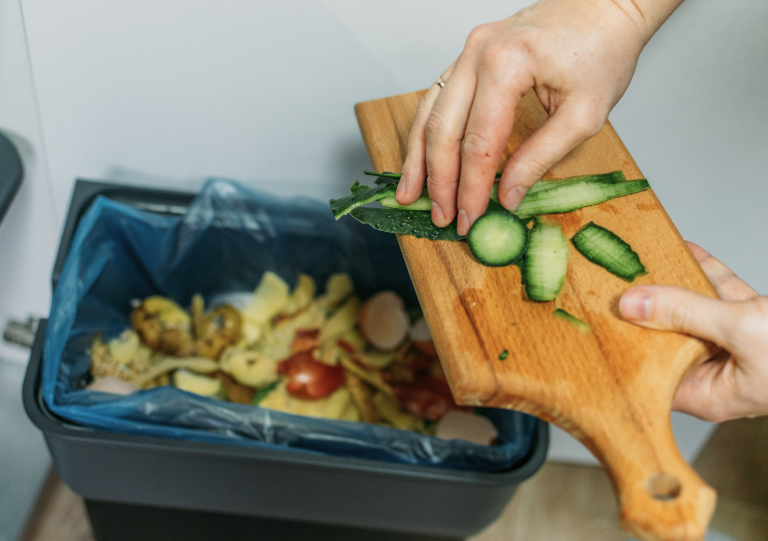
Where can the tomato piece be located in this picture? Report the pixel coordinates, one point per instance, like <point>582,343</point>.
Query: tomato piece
<point>305,340</point>
<point>309,379</point>
<point>427,397</point>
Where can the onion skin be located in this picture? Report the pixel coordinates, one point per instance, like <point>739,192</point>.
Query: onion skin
<point>383,321</point>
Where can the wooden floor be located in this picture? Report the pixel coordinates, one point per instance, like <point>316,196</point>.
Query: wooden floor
<point>562,502</point>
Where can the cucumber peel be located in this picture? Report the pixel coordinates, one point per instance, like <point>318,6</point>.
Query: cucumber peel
<point>361,195</point>
<point>605,248</point>
<point>546,261</point>
<point>262,393</point>
<point>580,325</point>
<point>422,203</point>
<point>567,195</point>
<point>406,222</point>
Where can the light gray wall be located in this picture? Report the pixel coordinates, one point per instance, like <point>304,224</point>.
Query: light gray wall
<point>695,118</point>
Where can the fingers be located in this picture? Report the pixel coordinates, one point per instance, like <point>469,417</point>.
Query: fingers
<point>488,129</point>
<point>729,286</point>
<point>671,308</point>
<point>707,391</point>
<point>415,169</point>
<point>569,126</point>
<point>445,131</point>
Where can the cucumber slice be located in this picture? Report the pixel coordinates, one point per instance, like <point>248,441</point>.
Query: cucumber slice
<point>546,261</point>
<point>580,325</point>
<point>362,195</point>
<point>406,222</point>
<point>422,203</point>
<point>497,239</point>
<point>613,177</point>
<point>572,194</point>
<point>570,197</point>
<point>386,176</point>
<point>607,249</point>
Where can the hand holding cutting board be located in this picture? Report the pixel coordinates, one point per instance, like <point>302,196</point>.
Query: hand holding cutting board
<point>577,56</point>
<point>733,383</point>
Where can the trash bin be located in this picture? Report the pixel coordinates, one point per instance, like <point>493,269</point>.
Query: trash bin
<point>143,487</point>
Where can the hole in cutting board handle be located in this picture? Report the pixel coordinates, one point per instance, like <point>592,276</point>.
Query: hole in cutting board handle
<point>663,486</point>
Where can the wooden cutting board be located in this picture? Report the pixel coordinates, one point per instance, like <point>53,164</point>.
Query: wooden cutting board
<point>611,388</point>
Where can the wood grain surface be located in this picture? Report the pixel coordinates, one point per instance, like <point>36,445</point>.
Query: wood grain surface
<point>611,388</point>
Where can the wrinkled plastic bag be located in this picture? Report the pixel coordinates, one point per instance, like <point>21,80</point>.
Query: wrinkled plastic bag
<point>228,238</point>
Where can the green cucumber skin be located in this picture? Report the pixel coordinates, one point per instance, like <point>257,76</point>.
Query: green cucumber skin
<point>406,222</point>
<point>262,393</point>
<point>567,195</point>
<point>546,261</point>
<point>422,203</point>
<point>613,177</point>
<point>580,325</point>
<point>361,197</point>
<point>570,197</point>
<point>425,203</point>
<point>544,197</point>
<point>487,246</point>
<point>605,248</point>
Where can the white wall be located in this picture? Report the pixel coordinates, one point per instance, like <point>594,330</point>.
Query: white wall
<point>171,92</point>
<point>694,118</point>
<point>28,234</point>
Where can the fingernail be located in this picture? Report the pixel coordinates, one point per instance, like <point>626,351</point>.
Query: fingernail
<point>438,218</point>
<point>636,305</point>
<point>513,197</point>
<point>402,189</point>
<point>462,223</point>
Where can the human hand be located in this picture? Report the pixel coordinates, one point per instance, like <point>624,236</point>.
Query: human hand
<point>733,383</point>
<point>577,55</point>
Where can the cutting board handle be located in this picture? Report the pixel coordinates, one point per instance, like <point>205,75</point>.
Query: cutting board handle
<point>660,496</point>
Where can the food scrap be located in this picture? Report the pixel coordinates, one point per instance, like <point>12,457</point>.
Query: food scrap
<point>323,355</point>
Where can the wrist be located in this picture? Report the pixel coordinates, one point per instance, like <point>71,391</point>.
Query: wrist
<point>646,15</point>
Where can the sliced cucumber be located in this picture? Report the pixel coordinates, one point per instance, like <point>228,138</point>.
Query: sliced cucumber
<point>546,261</point>
<point>386,176</point>
<point>406,222</point>
<point>570,197</point>
<point>572,194</point>
<point>497,239</point>
<point>607,249</point>
<point>613,177</point>
<point>582,326</point>
<point>361,196</point>
<point>422,203</point>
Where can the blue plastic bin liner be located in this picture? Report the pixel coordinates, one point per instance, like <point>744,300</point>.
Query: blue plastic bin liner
<point>228,238</point>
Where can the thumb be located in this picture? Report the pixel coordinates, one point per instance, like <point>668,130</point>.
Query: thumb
<point>567,128</point>
<point>669,308</point>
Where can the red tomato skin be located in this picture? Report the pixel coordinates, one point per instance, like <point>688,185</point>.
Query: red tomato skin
<point>309,379</point>
<point>427,397</point>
